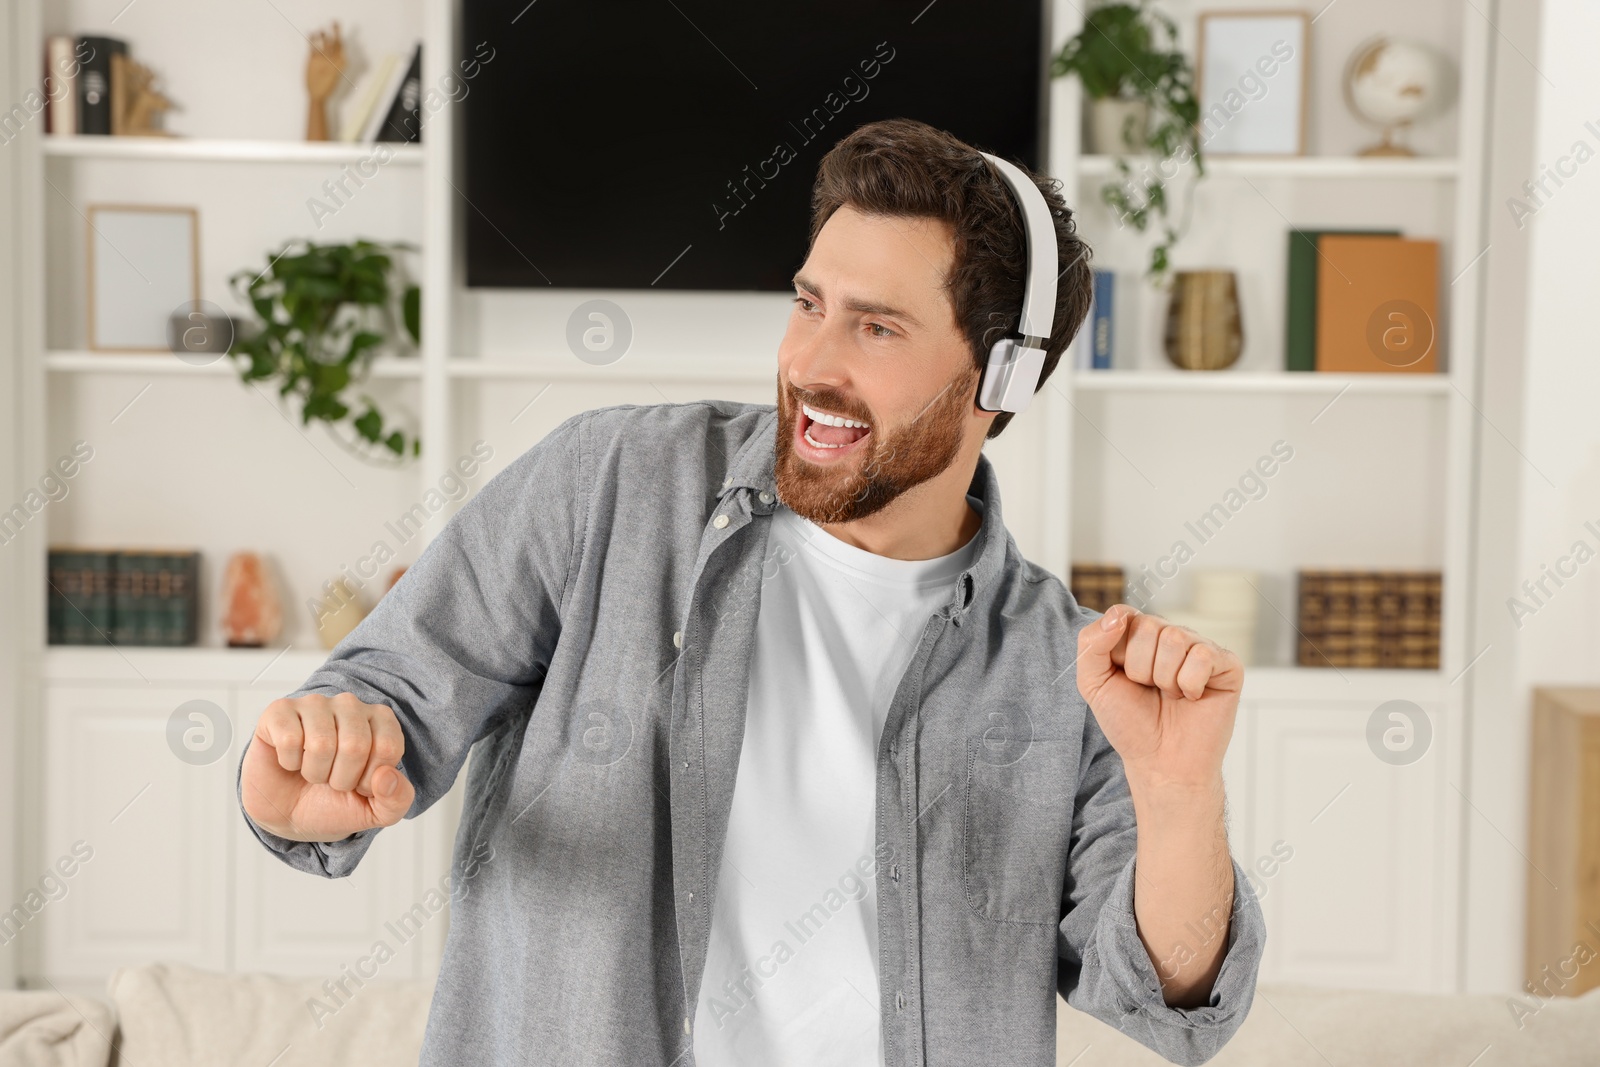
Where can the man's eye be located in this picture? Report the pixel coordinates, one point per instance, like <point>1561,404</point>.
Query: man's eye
<point>879,326</point>
<point>805,305</point>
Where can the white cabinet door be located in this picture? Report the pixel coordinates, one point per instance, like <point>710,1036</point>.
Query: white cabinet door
<point>291,922</point>
<point>1356,903</point>
<point>155,883</point>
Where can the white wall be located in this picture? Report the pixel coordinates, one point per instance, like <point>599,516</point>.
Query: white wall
<point>11,481</point>
<point>1540,448</point>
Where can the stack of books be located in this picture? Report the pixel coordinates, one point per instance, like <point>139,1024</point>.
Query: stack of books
<point>1097,586</point>
<point>1361,301</point>
<point>123,597</point>
<point>1369,619</point>
<point>78,87</point>
<point>390,105</point>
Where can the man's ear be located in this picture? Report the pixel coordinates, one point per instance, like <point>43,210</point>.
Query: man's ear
<point>972,390</point>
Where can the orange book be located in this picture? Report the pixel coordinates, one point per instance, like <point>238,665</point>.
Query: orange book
<point>1377,304</point>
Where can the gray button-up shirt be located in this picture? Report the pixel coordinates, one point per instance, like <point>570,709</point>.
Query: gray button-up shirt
<point>586,621</point>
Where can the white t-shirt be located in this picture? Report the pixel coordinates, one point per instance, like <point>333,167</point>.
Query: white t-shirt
<point>791,969</point>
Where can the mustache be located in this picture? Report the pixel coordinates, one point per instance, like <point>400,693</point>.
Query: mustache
<point>832,402</point>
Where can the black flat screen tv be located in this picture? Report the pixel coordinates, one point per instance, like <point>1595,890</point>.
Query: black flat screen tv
<point>672,144</point>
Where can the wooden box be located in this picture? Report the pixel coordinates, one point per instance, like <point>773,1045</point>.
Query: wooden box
<point>1563,945</point>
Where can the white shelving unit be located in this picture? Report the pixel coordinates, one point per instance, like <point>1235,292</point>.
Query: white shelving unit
<point>1387,462</point>
<point>164,149</point>
<point>95,716</point>
<point>1335,167</point>
<point>708,370</point>
<point>126,363</point>
<point>1133,446</point>
<point>1246,382</point>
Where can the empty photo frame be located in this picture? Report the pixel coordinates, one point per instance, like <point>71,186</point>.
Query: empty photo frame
<point>144,263</point>
<point>1253,79</point>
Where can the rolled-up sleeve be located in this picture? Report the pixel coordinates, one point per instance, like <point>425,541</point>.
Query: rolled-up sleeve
<point>463,640</point>
<point>1105,970</point>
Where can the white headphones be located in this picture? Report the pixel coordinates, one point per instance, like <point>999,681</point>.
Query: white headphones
<point>1015,363</point>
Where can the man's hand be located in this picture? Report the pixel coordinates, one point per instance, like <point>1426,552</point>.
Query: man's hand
<point>1164,696</point>
<point>322,768</point>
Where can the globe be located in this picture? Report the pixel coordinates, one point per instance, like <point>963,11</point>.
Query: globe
<point>1391,83</point>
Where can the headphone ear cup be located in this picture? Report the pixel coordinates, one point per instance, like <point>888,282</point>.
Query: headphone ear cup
<point>992,384</point>
<point>1011,376</point>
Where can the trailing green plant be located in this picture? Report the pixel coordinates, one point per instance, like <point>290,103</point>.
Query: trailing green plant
<point>323,312</point>
<point>1129,52</point>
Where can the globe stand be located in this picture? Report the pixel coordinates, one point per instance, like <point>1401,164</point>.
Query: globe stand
<point>1388,146</point>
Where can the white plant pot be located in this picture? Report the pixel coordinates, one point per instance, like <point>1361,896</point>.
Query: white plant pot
<point>1109,117</point>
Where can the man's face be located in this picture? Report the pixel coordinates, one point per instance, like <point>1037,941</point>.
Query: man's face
<point>872,339</point>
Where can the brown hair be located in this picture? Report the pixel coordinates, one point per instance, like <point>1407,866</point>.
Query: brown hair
<point>902,167</point>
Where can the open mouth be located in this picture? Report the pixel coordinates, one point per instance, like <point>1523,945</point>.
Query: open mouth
<point>824,436</point>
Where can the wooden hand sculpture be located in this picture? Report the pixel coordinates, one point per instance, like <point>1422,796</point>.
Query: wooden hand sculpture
<point>137,105</point>
<point>323,69</point>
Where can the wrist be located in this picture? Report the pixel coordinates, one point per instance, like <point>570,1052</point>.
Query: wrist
<point>1159,792</point>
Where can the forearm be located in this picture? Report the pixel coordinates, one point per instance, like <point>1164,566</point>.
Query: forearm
<point>1183,887</point>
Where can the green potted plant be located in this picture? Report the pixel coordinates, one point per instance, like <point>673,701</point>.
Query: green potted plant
<point>1141,95</point>
<point>322,313</point>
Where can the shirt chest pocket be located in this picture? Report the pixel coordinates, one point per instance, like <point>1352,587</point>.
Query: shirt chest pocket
<point>1016,828</point>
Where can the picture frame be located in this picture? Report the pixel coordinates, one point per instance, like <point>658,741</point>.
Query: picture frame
<point>1253,82</point>
<point>143,263</point>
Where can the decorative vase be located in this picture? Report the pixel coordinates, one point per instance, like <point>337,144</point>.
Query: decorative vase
<point>1117,126</point>
<point>341,612</point>
<point>1203,328</point>
<point>251,613</point>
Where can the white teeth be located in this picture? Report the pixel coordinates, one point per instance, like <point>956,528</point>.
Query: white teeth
<point>821,444</point>
<point>831,420</point>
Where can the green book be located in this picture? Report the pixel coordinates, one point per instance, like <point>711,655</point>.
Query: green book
<point>56,600</point>
<point>146,603</point>
<point>86,597</point>
<point>77,587</point>
<point>178,604</point>
<point>1300,341</point>
<point>102,605</point>
<point>126,585</point>
<point>74,597</point>
<point>164,620</point>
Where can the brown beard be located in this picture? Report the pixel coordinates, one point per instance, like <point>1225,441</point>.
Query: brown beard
<point>909,456</point>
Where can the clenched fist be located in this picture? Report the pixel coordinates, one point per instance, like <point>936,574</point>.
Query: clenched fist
<point>322,768</point>
<point>1164,696</point>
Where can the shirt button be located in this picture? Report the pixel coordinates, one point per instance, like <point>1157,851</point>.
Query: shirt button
<point>686,1024</point>
<point>766,498</point>
<point>894,872</point>
<point>677,639</point>
<point>727,481</point>
<point>720,521</point>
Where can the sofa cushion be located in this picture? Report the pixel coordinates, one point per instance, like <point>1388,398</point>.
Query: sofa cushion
<point>180,1016</point>
<point>1302,1026</point>
<point>50,1029</point>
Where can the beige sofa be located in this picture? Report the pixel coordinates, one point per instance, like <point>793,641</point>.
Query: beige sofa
<point>171,1016</point>
<point>1299,1026</point>
<point>165,1015</point>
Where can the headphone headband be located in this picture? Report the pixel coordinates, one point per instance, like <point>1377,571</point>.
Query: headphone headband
<point>1015,366</point>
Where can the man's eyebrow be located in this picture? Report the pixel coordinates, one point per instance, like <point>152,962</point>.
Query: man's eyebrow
<point>865,307</point>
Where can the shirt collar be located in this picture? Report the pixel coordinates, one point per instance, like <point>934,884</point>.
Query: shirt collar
<point>754,467</point>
